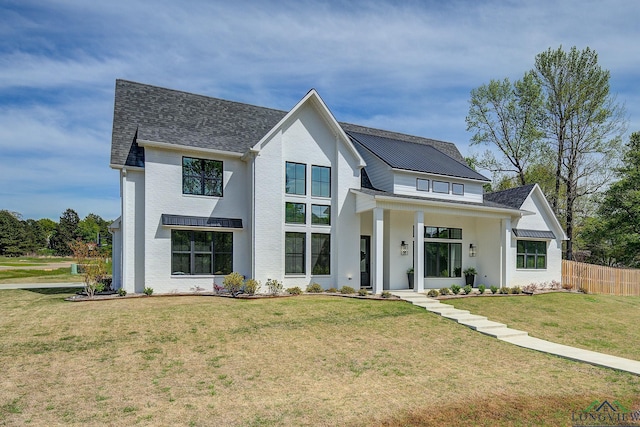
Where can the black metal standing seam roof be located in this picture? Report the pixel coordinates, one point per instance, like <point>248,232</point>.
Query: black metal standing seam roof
<point>513,197</point>
<point>200,221</point>
<point>536,234</point>
<point>414,156</point>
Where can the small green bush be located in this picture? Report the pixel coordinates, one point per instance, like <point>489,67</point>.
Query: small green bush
<point>516,290</point>
<point>494,289</point>
<point>385,294</point>
<point>504,290</point>
<point>148,291</point>
<point>468,289</point>
<point>314,288</point>
<point>233,283</point>
<point>274,286</point>
<point>332,291</point>
<point>251,286</point>
<point>363,292</point>
<point>455,289</point>
<point>346,290</point>
<point>433,293</point>
<point>444,291</point>
<point>122,292</point>
<point>482,288</point>
<point>294,291</point>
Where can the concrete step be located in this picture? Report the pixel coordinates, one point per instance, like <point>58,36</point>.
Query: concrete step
<point>443,309</point>
<point>463,317</point>
<point>484,324</point>
<point>502,332</point>
<point>424,301</point>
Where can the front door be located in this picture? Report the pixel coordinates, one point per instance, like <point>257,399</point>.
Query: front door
<point>365,250</point>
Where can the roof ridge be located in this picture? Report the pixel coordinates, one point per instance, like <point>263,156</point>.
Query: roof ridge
<point>512,189</point>
<point>397,133</point>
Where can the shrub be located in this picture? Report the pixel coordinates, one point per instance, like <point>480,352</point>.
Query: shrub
<point>363,292</point>
<point>385,294</point>
<point>251,286</point>
<point>106,282</point>
<point>455,289</point>
<point>217,289</point>
<point>274,286</point>
<point>504,290</point>
<point>122,292</point>
<point>314,288</point>
<point>294,291</point>
<point>94,265</point>
<point>345,290</point>
<point>493,289</point>
<point>233,283</point>
<point>555,284</point>
<point>482,288</point>
<point>148,291</point>
<point>433,293</point>
<point>530,288</point>
<point>444,291</point>
<point>467,289</point>
<point>583,290</point>
<point>516,290</point>
<point>332,291</point>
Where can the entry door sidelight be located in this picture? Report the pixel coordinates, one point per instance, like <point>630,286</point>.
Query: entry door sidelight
<point>365,261</point>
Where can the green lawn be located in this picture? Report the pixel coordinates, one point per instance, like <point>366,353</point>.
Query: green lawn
<point>603,323</point>
<point>309,360</point>
<point>31,261</point>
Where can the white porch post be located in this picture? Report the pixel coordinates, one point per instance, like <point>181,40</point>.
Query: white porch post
<point>505,246</point>
<point>377,250</point>
<point>418,251</point>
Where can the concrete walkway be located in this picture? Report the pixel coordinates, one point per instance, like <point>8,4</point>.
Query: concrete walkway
<point>40,285</point>
<point>516,337</point>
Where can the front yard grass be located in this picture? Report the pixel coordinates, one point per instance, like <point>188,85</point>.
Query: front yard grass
<point>310,360</point>
<point>604,323</point>
<point>61,275</point>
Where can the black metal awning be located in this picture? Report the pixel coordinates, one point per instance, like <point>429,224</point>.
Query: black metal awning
<point>534,234</point>
<point>200,221</point>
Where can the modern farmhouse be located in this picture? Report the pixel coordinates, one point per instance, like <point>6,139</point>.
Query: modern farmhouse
<point>210,186</point>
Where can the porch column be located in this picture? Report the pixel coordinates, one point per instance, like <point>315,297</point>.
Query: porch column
<point>505,246</point>
<point>377,249</point>
<point>418,251</point>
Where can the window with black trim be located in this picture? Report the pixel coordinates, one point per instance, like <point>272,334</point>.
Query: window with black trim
<point>422,184</point>
<point>296,178</point>
<point>201,252</point>
<point>295,213</point>
<point>531,254</point>
<point>457,189</point>
<point>294,253</point>
<point>440,187</point>
<point>320,253</point>
<point>442,259</point>
<point>202,177</point>
<point>321,214</point>
<point>320,181</point>
<point>442,233</point>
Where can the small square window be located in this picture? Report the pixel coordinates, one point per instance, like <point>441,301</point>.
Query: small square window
<point>457,189</point>
<point>295,213</point>
<point>422,184</point>
<point>321,214</point>
<point>441,187</point>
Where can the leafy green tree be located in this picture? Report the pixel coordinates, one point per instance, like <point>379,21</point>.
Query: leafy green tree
<point>48,227</point>
<point>508,117</point>
<point>35,236</point>
<point>95,229</point>
<point>12,234</point>
<point>65,232</point>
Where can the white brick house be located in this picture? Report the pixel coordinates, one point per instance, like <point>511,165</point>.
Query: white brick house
<point>210,186</point>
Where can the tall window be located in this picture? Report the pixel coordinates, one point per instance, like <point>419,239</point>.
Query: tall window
<point>294,253</point>
<point>442,259</point>
<point>201,252</point>
<point>321,214</point>
<point>531,254</point>
<point>320,181</point>
<point>295,213</point>
<point>320,253</point>
<point>296,178</point>
<point>202,177</point>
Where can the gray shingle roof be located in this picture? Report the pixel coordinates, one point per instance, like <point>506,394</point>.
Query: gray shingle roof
<point>413,156</point>
<point>512,197</point>
<point>165,115</point>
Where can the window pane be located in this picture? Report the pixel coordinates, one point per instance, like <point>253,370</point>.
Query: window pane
<point>321,214</point>
<point>223,253</point>
<point>443,260</point>
<point>295,213</point>
<point>520,246</point>
<point>202,264</point>
<point>430,232</point>
<point>541,262</point>
<point>456,259</point>
<point>320,181</point>
<point>441,187</point>
<point>295,179</point>
<point>531,261</point>
<point>223,264</point>
<point>320,253</point>
<point>294,253</point>
<point>457,189</point>
<point>443,233</point>
<point>180,263</point>
<point>520,261</point>
<point>431,259</point>
<point>180,240</point>
<point>422,184</point>
<point>455,233</point>
<point>202,241</point>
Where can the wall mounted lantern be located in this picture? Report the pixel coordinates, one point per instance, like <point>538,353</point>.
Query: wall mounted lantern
<point>472,250</point>
<point>404,248</point>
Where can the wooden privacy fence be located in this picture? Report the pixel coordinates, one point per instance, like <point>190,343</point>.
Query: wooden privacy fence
<point>598,279</point>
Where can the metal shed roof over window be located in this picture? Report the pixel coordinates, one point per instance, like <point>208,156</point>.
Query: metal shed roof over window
<point>200,221</point>
<point>535,234</point>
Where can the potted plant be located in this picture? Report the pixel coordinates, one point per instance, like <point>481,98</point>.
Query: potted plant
<point>470,275</point>
<point>410,277</point>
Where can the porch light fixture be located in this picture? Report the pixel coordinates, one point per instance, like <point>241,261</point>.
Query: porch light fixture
<point>404,248</point>
<point>472,250</point>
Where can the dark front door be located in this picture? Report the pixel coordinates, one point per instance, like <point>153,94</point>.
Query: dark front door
<point>365,250</point>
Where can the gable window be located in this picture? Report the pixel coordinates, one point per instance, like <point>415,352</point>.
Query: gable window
<point>320,253</point>
<point>320,181</point>
<point>294,253</point>
<point>201,252</point>
<point>295,213</point>
<point>457,189</point>
<point>422,184</point>
<point>296,178</point>
<point>531,254</point>
<point>321,214</point>
<point>201,177</point>
<point>440,187</point>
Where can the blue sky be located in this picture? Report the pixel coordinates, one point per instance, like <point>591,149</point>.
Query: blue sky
<point>402,66</point>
